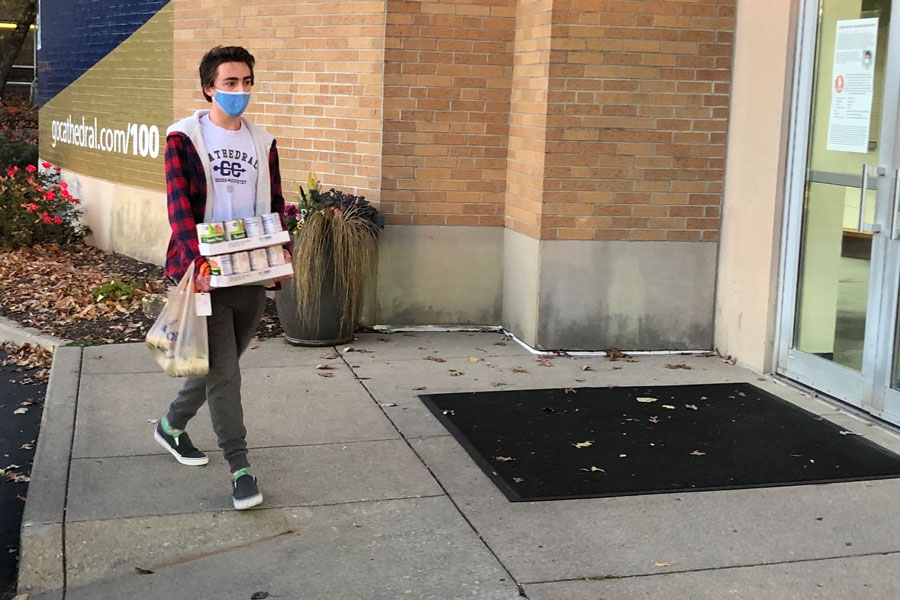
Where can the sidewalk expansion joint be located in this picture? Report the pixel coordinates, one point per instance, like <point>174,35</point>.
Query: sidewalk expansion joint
<point>211,450</point>
<point>225,510</point>
<point>362,382</point>
<point>711,569</point>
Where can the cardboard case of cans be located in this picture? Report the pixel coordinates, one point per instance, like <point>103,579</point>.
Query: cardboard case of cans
<point>244,250</point>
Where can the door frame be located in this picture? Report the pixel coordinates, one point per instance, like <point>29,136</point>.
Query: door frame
<point>868,388</point>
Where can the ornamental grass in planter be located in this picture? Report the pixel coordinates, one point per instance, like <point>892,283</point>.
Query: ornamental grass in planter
<point>335,236</point>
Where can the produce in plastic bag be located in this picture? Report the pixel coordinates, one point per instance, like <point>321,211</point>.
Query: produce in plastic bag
<point>178,338</point>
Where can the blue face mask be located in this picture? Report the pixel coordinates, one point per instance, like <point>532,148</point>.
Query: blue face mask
<point>233,103</point>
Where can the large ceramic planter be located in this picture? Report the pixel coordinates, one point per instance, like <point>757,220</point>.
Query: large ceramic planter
<point>325,329</point>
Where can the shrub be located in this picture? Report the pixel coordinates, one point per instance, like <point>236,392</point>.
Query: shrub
<point>36,207</point>
<point>18,147</point>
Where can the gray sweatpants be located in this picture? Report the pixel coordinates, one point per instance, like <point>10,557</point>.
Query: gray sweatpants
<point>236,312</point>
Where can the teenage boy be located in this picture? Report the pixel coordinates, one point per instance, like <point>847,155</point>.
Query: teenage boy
<point>219,167</point>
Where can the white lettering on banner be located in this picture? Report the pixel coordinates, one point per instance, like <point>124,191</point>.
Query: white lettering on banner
<point>136,139</point>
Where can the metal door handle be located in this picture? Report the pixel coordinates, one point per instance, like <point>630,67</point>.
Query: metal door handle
<point>896,206</point>
<point>861,225</point>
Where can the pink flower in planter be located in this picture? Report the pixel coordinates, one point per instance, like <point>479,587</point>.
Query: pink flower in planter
<point>31,168</point>
<point>46,165</point>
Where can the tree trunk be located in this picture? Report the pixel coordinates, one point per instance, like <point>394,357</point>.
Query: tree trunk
<point>13,43</point>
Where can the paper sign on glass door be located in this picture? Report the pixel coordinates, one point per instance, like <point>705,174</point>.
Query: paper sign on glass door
<point>852,84</point>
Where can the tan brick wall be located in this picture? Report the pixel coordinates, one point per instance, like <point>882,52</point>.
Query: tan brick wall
<point>561,119</point>
<point>638,109</point>
<point>528,117</point>
<point>448,66</point>
<point>319,79</point>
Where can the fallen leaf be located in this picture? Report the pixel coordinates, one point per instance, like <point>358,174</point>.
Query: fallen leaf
<point>646,399</point>
<point>154,421</point>
<point>622,455</point>
<point>616,354</point>
<point>499,343</point>
<point>388,404</point>
<point>20,411</point>
<point>570,391</point>
<point>324,367</point>
<point>455,373</point>
<point>436,359</point>
<point>498,383</point>
<point>662,563</point>
<point>691,406</point>
<point>503,458</point>
<point>449,412</point>
<point>698,453</point>
<point>474,359</point>
<point>584,444</point>
<point>654,419</point>
<point>669,406</point>
<point>420,387</point>
<point>845,432</point>
<point>518,370</point>
<point>259,596</point>
<point>26,447</point>
<point>518,479</point>
<point>324,374</point>
<point>678,366</point>
<point>594,469</point>
<point>579,380</point>
<point>586,368</point>
<point>331,355</point>
<point>20,597</point>
<point>256,347</point>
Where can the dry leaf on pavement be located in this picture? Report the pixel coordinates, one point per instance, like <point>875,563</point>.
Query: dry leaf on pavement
<point>698,453</point>
<point>518,370</point>
<point>662,563</point>
<point>420,387</point>
<point>646,399</point>
<point>584,444</point>
<point>436,359</point>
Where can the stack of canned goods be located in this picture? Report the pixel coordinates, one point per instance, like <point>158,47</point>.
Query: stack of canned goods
<point>238,263</point>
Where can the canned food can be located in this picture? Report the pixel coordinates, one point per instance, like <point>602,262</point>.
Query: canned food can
<point>271,223</point>
<point>253,226</point>
<point>211,233</point>
<point>240,263</point>
<point>221,265</point>
<point>258,259</point>
<point>234,230</point>
<point>275,254</point>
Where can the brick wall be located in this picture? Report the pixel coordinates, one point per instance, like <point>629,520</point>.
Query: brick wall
<point>448,66</point>
<point>319,80</point>
<point>638,109</point>
<point>528,117</point>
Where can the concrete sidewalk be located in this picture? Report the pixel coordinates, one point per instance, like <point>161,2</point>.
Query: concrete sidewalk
<point>368,496</point>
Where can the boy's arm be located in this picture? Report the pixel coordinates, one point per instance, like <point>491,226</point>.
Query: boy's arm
<point>181,215</point>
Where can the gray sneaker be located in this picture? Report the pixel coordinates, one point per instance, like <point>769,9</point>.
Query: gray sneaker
<point>245,492</point>
<point>180,447</point>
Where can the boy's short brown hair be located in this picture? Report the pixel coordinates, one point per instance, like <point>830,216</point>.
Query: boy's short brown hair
<point>209,64</point>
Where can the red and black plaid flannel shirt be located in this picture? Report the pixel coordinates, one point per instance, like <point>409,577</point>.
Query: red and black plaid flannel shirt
<point>186,201</point>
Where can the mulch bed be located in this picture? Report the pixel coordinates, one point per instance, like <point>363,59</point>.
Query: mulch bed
<point>49,288</point>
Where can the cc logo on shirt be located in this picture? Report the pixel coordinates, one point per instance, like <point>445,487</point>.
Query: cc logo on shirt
<point>230,169</point>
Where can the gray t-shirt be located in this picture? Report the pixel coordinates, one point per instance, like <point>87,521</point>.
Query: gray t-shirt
<point>232,157</point>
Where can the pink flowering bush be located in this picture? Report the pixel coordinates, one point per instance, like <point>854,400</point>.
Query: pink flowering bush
<point>36,207</point>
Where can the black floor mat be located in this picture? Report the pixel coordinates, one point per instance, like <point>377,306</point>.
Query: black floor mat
<point>556,444</point>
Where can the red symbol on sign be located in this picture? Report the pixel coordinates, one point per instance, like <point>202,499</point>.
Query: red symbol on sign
<point>839,84</point>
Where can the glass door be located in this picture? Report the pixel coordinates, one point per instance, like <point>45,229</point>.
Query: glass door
<point>839,246</point>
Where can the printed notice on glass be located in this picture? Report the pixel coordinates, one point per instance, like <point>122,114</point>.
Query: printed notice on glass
<point>852,81</point>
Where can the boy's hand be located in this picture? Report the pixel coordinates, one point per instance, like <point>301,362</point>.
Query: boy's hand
<point>202,278</point>
<point>287,261</point>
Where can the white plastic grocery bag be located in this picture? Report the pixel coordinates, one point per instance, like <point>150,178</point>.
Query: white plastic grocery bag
<point>178,338</point>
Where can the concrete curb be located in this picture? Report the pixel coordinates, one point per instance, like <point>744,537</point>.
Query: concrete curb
<point>41,564</point>
<point>10,331</point>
